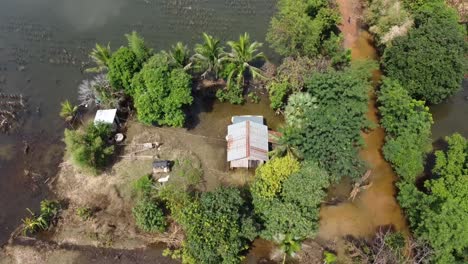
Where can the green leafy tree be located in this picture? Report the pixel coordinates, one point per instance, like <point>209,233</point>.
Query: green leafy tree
<point>300,28</point>
<point>429,60</point>
<point>218,228</point>
<point>208,56</point>
<point>122,66</point>
<point>407,123</point>
<point>440,215</point>
<point>293,213</point>
<point>331,134</point>
<point>100,56</point>
<point>160,93</point>
<point>270,176</point>
<point>149,216</point>
<point>89,148</point>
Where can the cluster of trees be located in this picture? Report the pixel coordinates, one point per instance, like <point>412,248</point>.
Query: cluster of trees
<point>286,197</point>
<point>429,59</point>
<point>306,33</point>
<point>424,63</point>
<point>407,123</point>
<point>438,213</point>
<point>322,130</point>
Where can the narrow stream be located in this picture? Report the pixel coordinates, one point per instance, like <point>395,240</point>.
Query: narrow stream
<point>377,205</point>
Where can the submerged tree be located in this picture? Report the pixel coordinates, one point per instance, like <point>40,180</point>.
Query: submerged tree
<point>243,53</point>
<point>179,56</point>
<point>137,45</point>
<point>68,111</point>
<point>209,55</point>
<point>101,56</point>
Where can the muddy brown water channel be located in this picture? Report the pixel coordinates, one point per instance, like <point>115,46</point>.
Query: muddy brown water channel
<point>43,51</point>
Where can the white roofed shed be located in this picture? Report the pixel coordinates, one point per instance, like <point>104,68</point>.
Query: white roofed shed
<point>107,116</point>
<point>247,144</point>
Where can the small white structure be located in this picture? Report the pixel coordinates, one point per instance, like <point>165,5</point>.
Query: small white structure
<point>107,116</point>
<point>164,179</point>
<point>247,142</point>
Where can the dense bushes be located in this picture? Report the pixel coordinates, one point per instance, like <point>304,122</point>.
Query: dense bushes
<point>160,93</point>
<point>217,227</point>
<point>90,148</point>
<point>330,131</point>
<point>439,215</point>
<point>429,60</point>
<point>407,123</point>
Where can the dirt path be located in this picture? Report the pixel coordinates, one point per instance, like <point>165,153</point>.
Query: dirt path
<point>376,206</point>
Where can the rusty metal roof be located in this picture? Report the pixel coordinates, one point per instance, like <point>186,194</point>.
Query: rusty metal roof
<point>247,140</point>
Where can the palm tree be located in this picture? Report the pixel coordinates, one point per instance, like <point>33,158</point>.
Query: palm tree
<point>242,54</point>
<point>209,55</point>
<point>101,56</point>
<point>68,111</point>
<point>137,45</point>
<point>179,56</point>
<point>288,245</point>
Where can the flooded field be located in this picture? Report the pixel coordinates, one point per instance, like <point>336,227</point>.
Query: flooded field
<point>43,51</point>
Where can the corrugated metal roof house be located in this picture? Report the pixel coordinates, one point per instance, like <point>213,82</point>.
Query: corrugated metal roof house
<point>247,144</point>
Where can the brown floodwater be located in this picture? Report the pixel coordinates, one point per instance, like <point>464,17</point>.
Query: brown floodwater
<point>376,206</point>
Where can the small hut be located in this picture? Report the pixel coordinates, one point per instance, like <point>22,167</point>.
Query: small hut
<point>161,166</point>
<point>107,116</point>
<point>247,142</point>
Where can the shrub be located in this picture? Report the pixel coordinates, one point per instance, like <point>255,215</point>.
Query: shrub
<point>149,216</point>
<point>232,94</point>
<point>84,213</point>
<point>49,211</point>
<point>90,148</point>
<point>144,185</point>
